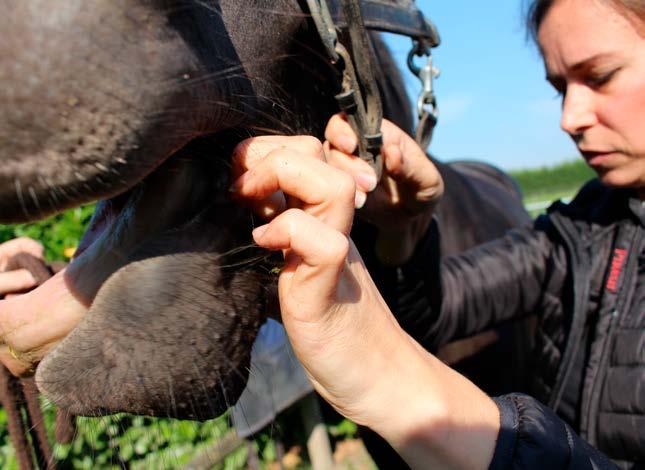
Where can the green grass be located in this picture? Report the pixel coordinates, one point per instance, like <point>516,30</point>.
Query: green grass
<point>58,234</point>
<point>139,443</point>
<point>553,182</point>
<point>542,186</point>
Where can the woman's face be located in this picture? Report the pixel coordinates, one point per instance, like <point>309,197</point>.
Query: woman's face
<point>595,58</point>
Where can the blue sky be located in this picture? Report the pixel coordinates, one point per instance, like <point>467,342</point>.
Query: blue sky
<point>493,100</point>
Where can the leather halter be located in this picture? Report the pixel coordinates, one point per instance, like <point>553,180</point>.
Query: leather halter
<point>406,20</point>
<point>359,97</point>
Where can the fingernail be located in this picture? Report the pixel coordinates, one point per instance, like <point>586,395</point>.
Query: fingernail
<point>359,199</point>
<point>259,232</point>
<point>346,143</point>
<point>237,184</point>
<point>366,181</point>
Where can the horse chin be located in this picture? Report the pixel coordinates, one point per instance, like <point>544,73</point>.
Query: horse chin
<point>175,303</point>
<point>158,345</point>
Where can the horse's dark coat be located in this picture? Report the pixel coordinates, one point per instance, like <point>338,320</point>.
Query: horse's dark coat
<point>96,95</point>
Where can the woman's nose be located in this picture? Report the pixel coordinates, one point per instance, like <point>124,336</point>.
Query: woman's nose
<point>578,112</point>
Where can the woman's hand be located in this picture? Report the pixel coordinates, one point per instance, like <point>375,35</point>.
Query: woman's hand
<point>329,304</point>
<point>402,204</point>
<point>32,323</point>
<point>356,355</point>
<point>19,280</point>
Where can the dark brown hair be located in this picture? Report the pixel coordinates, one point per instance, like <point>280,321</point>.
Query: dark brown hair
<point>538,9</point>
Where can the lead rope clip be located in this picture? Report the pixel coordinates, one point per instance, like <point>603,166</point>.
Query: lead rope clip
<point>427,110</point>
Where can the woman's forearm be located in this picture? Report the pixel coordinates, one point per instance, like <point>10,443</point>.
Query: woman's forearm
<point>433,416</point>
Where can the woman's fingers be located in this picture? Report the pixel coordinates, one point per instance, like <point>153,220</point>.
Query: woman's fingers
<point>339,146</point>
<point>360,171</point>
<point>23,245</point>
<point>315,258</point>
<point>18,367</point>
<point>16,281</point>
<point>33,323</point>
<point>250,152</point>
<point>340,134</point>
<point>409,166</point>
<point>405,163</point>
<point>415,186</point>
<point>320,189</point>
<point>19,245</point>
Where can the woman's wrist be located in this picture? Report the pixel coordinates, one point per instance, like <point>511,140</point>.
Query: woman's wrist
<point>431,414</point>
<point>398,412</point>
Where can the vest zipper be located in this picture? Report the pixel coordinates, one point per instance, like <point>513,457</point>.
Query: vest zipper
<point>580,294</point>
<point>623,301</point>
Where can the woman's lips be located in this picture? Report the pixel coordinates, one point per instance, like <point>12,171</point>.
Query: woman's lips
<point>596,159</point>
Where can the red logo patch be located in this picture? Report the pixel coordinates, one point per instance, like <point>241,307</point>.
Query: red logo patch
<point>617,263</point>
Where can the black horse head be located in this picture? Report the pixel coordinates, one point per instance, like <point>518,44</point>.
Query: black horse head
<point>139,103</point>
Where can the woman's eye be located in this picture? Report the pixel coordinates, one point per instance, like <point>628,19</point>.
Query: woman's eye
<point>596,81</point>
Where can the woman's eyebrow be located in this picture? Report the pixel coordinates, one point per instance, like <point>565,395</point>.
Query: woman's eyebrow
<point>589,61</point>
<point>580,66</point>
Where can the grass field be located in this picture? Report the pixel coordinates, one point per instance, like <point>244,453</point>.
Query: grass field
<point>548,184</point>
<point>136,442</point>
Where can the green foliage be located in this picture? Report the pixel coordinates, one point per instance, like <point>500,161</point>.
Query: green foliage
<point>138,442</point>
<point>135,442</point>
<point>57,234</point>
<point>346,429</point>
<point>7,455</point>
<point>544,183</point>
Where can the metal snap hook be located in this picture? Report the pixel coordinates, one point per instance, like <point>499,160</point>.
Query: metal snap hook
<point>426,74</point>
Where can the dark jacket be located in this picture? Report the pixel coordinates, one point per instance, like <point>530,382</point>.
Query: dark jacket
<point>582,269</point>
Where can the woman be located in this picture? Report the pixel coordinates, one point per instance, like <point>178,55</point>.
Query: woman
<point>582,267</point>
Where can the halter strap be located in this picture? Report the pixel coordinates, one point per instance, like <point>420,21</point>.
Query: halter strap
<point>359,96</point>
<point>391,17</point>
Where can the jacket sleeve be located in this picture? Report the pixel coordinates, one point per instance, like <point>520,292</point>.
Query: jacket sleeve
<point>531,436</point>
<point>442,300</point>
